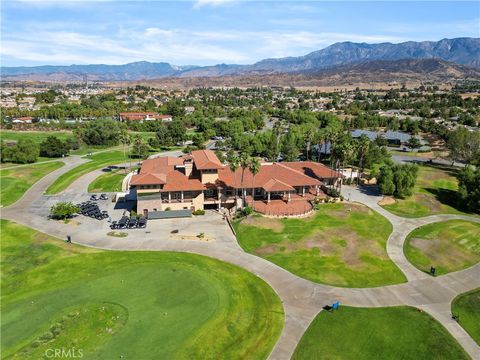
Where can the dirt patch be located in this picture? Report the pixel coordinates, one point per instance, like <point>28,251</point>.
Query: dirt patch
<point>353,246</point>
<point>350,207</point>
<point>320,241</point>
<point>387,200</point>
<point>265,223</point>
<point>267,250</point>
<point>191,238</point>
<point>429,201</point>
<point>40,238</point>
<point>441,253</point>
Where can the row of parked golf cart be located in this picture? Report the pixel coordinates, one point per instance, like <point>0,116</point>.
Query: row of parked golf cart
<point>95,197</point>
<point>131,222</point>
<point>92,210</point>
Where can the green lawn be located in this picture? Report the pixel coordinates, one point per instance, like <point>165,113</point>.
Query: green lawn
<point>377,333</point>
<point>448,246</point>
<point>467,307</point>
<point>37,136</point>
<point>14,182</point>
<point>108,182</point>
<point>342,245</point>
<point>97,161</point>
<point>135,305</point>
<point>435,193</point>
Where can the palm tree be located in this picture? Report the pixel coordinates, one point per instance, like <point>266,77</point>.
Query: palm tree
<point>244,161</point>
<point>125,140</point>
<point>362,147</point>
<point>233,164</point>
<point>254,167</point>
<point>320,137</point>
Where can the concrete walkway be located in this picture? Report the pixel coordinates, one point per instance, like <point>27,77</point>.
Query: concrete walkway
<point>302,299</point>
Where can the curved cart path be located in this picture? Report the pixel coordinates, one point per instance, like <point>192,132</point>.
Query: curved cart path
<point>302,299</point>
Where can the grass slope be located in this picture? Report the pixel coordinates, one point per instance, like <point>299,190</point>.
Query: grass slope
<point>15,182</point>
<point>342,245</point>
<point>467,307</point>
<point>37,136</point>
<point>97,161</point>
<point>449,246</point>
<point>109,182</point>
<point>142,305</point>
<point>434,193</point>
<point>377,333</point>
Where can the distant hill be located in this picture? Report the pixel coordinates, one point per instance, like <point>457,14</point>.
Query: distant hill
<point>464,51</point>
<point>461,51</point>
<point>380,72</point>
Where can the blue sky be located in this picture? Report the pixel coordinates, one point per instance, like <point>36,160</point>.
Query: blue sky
<point>207,32</point>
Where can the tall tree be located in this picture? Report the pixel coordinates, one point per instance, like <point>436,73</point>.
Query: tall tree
<point>254,167</point>
<point>125,140</point>
<point>233,164</point>
<point>363,144</point>
<point>244,161</point>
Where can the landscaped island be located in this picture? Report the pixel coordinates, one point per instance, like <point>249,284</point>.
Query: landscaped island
<point>467,308</point>
<point>378,333</point>
<point>135,305</point>
<point>448,246</point>
<point>435,192</point>
<point>343,244</point>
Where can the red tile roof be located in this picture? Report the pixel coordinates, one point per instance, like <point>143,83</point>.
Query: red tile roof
<point>176,181</point>
<point>142,115</point>
<point>267,172</point>
<point>271,177</point>
<point>206,159</point>
<point>313,169</point>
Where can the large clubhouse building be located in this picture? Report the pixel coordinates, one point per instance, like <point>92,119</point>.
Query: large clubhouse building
<point>199,180</point>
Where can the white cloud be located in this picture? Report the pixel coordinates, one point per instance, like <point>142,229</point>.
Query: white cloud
<point>54,45</point>
<point>200,3</point>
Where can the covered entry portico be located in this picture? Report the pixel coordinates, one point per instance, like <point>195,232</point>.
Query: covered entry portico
<point>275,189</point>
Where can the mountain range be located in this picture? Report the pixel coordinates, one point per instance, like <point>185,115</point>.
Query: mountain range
<point>463,55</point>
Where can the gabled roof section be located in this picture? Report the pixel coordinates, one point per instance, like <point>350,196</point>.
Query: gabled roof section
<point>148,179</point>
<point>276,185</point>
<point>206,159</point>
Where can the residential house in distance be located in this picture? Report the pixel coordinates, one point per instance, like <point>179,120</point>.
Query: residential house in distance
<point>144,116</point>
<point>199,181</point>
<point>23,120</point>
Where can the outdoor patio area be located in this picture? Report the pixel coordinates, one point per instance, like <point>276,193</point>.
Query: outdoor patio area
<point>297,205</point>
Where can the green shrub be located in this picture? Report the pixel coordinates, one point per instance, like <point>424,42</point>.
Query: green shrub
<point>199,212</point>
<point>63,210</point>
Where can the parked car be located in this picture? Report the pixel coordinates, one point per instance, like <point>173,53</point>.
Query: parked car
<point>103,197</point>
<point>113,225</point>
<point>94,197</point>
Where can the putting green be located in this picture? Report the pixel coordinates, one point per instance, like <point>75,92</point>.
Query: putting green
<point>448,246</point>
<point>342,245</point>
<point>139,305</point>
<point>377,333</point>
